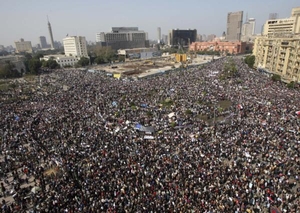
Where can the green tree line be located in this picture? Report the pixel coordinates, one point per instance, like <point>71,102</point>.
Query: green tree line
<point>33,63</point>
<point>8,70</point>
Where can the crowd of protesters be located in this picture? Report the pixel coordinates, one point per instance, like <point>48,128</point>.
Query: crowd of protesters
<point>73,145</point>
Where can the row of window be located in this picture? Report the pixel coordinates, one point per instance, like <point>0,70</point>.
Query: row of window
<point>67,60</point>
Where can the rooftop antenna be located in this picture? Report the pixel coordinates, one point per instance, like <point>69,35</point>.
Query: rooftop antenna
<point>47,18</point>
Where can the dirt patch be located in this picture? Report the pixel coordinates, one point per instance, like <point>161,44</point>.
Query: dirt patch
<point>133,72</point>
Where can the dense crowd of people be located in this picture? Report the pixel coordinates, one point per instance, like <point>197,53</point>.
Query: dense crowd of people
<point>73,145</point>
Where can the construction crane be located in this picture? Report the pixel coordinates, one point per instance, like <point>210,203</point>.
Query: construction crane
<point>180,49</point>
<point>180,56</point>
<point>191,56</point>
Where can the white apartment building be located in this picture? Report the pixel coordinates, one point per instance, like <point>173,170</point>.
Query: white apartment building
<point>75,46</point>
<point>23,46</point>
<point>62,60</point>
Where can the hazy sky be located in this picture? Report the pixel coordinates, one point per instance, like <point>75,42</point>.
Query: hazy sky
<point>28,18</point>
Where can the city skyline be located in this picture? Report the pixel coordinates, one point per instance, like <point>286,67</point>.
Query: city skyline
<point>28,19</point>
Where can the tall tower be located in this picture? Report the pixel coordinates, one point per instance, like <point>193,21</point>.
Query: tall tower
<point>158,35</point>
<point>50,32</point>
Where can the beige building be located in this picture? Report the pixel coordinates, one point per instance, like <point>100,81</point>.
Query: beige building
<point>75,46</point>
<point>278,50</point>
<point>23,46</point>
<point>279,56</point>
<point>280,27</point>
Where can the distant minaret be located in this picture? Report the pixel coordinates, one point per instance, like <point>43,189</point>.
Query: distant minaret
<point>50,32</point>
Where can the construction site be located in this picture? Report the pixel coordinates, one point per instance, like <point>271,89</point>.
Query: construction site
<point>144,68</point>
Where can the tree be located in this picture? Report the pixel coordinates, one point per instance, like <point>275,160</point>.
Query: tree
<point>276,77</point>
<point>51,51</point>
<point>27,58</point>
<point>250,60</point>
<point>100,60</point>
<point>83,61</point>
<point>104,54</point>
<point>38,56</point>
<point>8,70</point>
<point>122,58</point>
<point>92,56</point>
<point>291,85</point>
<point>44,63</point>
<point>170,50</point>
<point>67,66</point>
<point>34,65</point>
<point>51,63</point>
<point>230,70</point>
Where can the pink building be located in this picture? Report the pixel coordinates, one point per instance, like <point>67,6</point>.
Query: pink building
<point>222,46</point>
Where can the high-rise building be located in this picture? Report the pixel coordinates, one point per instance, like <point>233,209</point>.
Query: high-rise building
<point>182,37</point>
<point>277,50</point>
<point>123,38</point>
<point>75,46</point>
<point>23,46</point>
<point>43,42</point>
<point>158,35</point>
<point>248,29</point>
<point>164,39</point>
<point>234,26</point>
<point>262,29</point>
<point>57,44</point>
<point>211,37</point>
<point>273,16</point>
<point>51,35</point>
<point>199,38</point>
